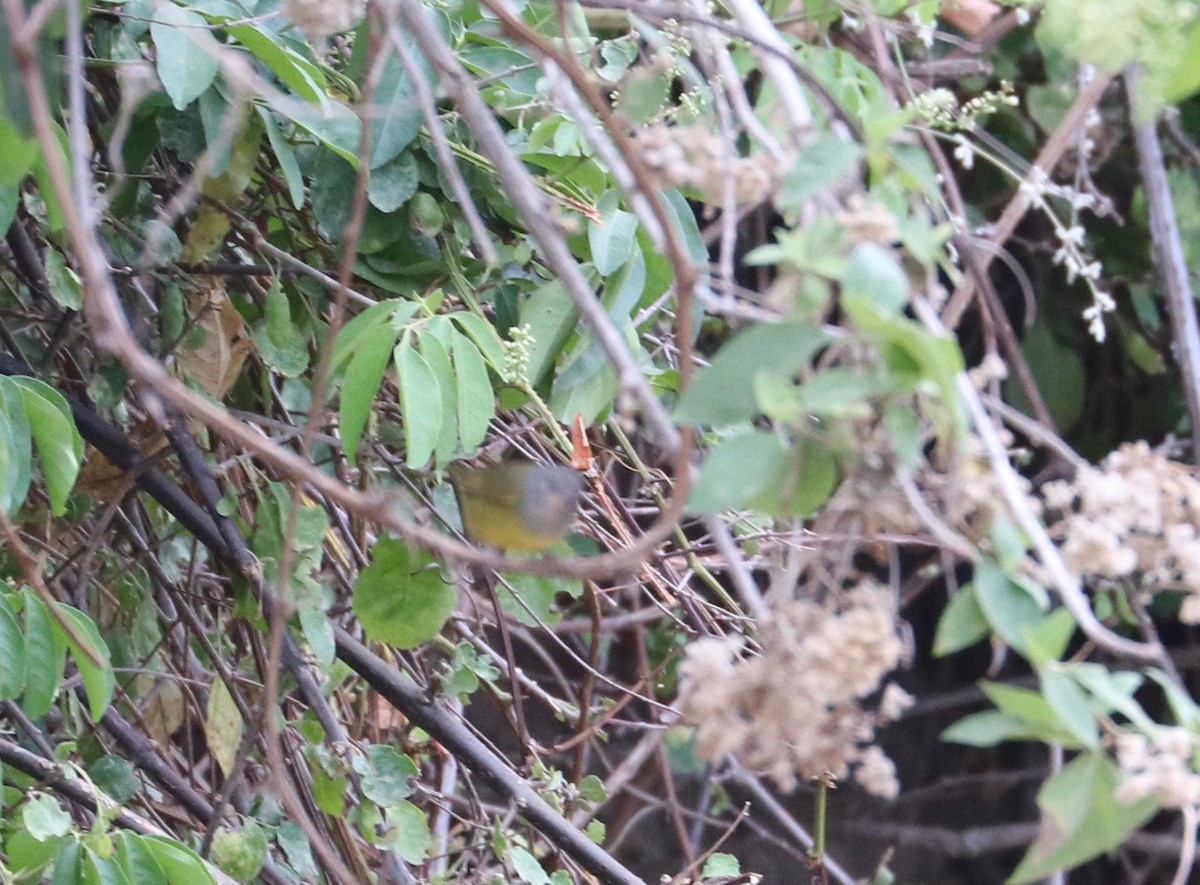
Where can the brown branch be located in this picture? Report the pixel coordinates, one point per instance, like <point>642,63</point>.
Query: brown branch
<point>1168,249</point>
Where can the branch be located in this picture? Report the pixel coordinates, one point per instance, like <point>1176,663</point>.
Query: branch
<point>406,696</point>
<point>1168,249</point>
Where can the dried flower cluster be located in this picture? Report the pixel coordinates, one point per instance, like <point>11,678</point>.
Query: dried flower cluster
<point>960,490</point>
<point>320,19</point>
<point>1159,766</point>
<point>794,711</point>
<point>691,156</point>
<point>867,221</point>
<point>1133,517</point>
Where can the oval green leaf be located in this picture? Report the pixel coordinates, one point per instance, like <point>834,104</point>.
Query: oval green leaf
<point>401,598</point>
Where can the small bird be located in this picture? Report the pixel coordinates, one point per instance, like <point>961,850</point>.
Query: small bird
<point>517,505</point>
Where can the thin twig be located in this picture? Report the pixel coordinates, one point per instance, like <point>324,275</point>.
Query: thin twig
<point>1168,249</point>
<point>1059,142</point>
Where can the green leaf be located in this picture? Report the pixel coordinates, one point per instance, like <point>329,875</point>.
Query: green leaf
<point>420,402</point>
<point>809,477</point>
<point>1008,542</point>
<point>465,669</point>
<point>820,165</point>
<point>718,395</point>
<point>398,112</point>
<point>44,818</point>
<point>611,236</point>
<point>438,358</point>
<point>282,345</point>
<point>527,867</point>
<point>17,155</point>
<point>1113,691</point>
<point>318,633</point>
<point>1185,80</point>
<point>756,470</point>
<point>551,316</point>
<point>989,729</point>
<point>63,282</point>
<point>394,183</point>
<point>10,198</point>
<point>875,275</point>
<point>1047,640</point>
<point>361,383</point>
<point>45,657</point>
<point>68,864</point>
<point>350,341</point>
<point>1007,606</point>
<point>917,358</point>
<point>737,469</point>
<point>961,625</point>
<point>301,75</point>
<point>684,221</point>
<point>59,446</point>
<point>25,854</point>
<point>904,433</point>
<point>410,835</point>
<point>516,70</point>
<point>1031,708</point>
<point>332,192</point>
<point>624,289</point>
<point>475,400</point>
<point>538,593</point>
<point>778,398</point>
<point>836,393</point>
<point>185,52</point>
<point>426,214</point>
<point>12,652</point>
<point>386,775</point>
<point>285,156</point>
<point>336,126</point>
<point>587,384</point>
<point>592,789</point>
<point>1070,704</point>
<point>137,861</point>
<point>329,792</point>
<point>115,776</point>
<point>98,679</point>
<point>16,447</point>
<point>240,852</point>
<point>179,863</point>
<point>1081,818</point>
<point>484,335</point>
<point>1112,33</point>
<point>401,598</point>
<point>645,92</point>
<point>98,867</point>
<point>721,865</point>
<point>294,843</point>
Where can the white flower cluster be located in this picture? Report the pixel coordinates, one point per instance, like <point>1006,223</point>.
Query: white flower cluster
<point>939,108</point>
<point>794,711</point>
<point>1035,188</point>
<point>1132,518</point>
<point>517,350</point>
<point>1161,765</point>
<point>925,30</point>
